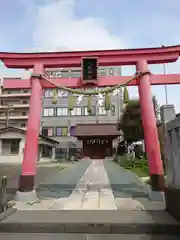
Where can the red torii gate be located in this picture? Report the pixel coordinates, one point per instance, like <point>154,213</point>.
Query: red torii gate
<point>139,57</point>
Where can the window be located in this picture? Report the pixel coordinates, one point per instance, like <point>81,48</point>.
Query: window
<point>25,91</point>
<point>88,90</point>
<point>58,131</point>
<point>72,130</point>
<point>61,153</point>
<point>25,102</point>
<point>47,132</point>
<point>86,113</point>
<point>48,93</point>
<point>102,73</point>
<point>111,72</point>
<point>66,73</point>
<point>15,146</point>
<point>48,112</point>
<point>24,114</point>
<point>102,111</point>
<point>62,131</point>
<point>10,146</point>
<point>75,94</point>
<point>62,93</point>
<point>77,111</point>
<point>75,74</point>
<point>62,111</point>
<point>23,125</point>
<point>113,110</point>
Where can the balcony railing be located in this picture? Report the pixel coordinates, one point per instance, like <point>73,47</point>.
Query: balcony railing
<point>19,105</point>
<point>15,95</point>
<point>14,117</point>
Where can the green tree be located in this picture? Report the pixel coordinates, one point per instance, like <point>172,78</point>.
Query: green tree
<point>156,107</point>
<point>130,122</point>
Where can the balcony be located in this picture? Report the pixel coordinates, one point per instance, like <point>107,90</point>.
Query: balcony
<point>14,117</point>
<point>14,95</point>
<point>14,106</point>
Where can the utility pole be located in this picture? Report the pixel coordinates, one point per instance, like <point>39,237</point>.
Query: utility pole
<point>119,102</point>
<point>97,111</point>
<point>165,86</point>
<point>8,110</point>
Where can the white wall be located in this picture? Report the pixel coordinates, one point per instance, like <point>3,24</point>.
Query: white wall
<point>15,158</point>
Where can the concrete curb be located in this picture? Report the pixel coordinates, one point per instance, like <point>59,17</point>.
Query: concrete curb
<point>92,222</point>
<point>7,213</point>
<point>90,228</point>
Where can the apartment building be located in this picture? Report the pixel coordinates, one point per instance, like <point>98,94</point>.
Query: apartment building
<point>57,123</point>
<point>14,105</point>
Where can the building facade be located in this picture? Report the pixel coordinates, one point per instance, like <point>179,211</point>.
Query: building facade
<point>56,122</point>
<point>14,106</point>
<point>60,125</point>
<point>12,144</point>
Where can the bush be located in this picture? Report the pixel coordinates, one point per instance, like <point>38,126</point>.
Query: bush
<point>139,166</point>
<point>127,162</point>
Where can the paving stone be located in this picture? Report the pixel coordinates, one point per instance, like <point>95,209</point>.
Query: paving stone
<point>129,204</point>
<point>91,200</point>
<point>42,236</point>
<point>93,190</point>
<point>43,204</point>
<point>107,200</point>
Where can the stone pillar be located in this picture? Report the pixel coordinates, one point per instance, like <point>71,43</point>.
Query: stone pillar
<point>172,193</point>
<point>41,151</point>
<point>167,113</point>
<point>0,146</point>
<point>21,146</point>
<point>53,153</point>
<point>26,190</point>
<point>150,132</point>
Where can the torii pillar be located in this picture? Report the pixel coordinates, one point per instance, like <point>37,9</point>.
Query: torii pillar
<point>150,133</point>
<point>26,190</point>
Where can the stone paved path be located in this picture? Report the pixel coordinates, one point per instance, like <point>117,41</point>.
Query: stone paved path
<point>93,190</point>
<point>95,184</point>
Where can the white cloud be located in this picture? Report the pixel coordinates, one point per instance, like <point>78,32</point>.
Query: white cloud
<point>59,29</point>
<point>56,27</point>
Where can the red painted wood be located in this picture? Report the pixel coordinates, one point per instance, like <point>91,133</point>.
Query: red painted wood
<point>149,122</point>
<point>103,81</point>
<point>106,58</point>
<point>33,126</point>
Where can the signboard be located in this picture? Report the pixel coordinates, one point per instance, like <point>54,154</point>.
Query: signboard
<point>97,141</point>
<point>89,69</point>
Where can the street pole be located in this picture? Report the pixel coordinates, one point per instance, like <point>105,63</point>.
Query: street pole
<point>118,99</point>
<point>7,118</point>
<point>9,109</point>
<point>165,86</point>
<point>69,134</point>
<point>97,111</point>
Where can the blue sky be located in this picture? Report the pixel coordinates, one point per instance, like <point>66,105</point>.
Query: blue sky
<point>48,25</point>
